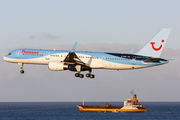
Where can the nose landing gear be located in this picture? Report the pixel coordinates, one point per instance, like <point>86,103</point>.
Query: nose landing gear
<point>22,71</point>
<point>21,64</point>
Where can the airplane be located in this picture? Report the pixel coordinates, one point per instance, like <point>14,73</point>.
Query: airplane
<point>78,61</point>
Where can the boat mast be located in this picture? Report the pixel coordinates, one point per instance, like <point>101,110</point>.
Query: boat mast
<point>83,100</point>
<point>132,92</point>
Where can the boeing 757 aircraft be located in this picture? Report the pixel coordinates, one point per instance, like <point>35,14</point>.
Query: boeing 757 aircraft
<point>59,60</point>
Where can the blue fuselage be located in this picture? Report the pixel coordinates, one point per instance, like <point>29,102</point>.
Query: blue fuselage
<point>95,60</point>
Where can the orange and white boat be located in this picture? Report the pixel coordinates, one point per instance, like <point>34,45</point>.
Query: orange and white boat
<point>130,105</point>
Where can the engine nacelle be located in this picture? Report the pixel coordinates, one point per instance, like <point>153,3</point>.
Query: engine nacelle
<point>56,66</point>
<point>73,68</point>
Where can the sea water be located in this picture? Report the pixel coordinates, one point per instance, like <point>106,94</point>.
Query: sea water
<point>69,111</point>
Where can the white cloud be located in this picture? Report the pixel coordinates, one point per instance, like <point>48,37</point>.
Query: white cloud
<point>44,36</point>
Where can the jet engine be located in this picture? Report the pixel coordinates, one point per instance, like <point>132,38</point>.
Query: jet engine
<point>56,66</point>
<point>73,68</point>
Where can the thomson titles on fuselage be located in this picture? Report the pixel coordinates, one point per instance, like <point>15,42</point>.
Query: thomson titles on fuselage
<point>30,52</point>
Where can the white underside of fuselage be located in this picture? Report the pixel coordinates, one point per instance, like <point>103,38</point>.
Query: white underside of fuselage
<point>94,63</point>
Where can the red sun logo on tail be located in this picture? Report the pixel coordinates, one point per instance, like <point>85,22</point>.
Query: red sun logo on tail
<point>156,49</point>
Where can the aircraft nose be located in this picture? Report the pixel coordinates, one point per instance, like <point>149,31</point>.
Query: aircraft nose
<point>5,58</point>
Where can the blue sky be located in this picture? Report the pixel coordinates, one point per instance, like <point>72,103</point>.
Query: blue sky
<point>97,25</point>
<point>101,21</point>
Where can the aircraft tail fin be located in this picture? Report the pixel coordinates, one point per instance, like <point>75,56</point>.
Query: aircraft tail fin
<point>155,46</point>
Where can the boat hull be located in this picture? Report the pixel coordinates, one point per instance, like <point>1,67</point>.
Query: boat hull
<point>81,109</point>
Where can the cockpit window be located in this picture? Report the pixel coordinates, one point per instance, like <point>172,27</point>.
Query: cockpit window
<point>9,53</point>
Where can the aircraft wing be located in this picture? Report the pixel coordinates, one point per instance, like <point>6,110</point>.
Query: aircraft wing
<point>72,58</point>
<point>152,60</point>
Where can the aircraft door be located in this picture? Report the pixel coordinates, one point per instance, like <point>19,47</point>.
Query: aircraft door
<point>103,59</point>
<point>134,60</point>
<point>48,56</point>
<point>17,54</point>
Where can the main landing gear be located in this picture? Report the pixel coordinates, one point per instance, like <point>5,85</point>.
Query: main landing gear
<point>21,64</point>
<point>88,75</point>
<point>79,75</point>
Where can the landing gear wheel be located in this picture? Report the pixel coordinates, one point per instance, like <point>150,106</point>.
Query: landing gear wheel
<point>22,71</point>
<point>92,76</point>
<point>77,74</point>
<point>81,75</point>
<point>87,75</point>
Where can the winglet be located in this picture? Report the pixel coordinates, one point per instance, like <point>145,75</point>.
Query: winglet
<point>74,48</point>
<point>131,50</point>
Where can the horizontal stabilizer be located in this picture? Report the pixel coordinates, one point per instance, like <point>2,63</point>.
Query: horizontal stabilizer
<point>132,51</point>
<point>152,60</point>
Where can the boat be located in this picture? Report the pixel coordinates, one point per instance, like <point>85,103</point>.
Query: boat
<point>130,105</point>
